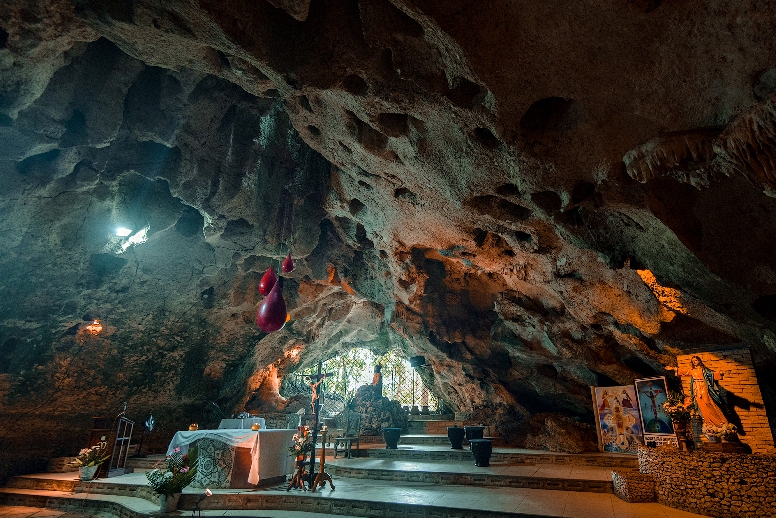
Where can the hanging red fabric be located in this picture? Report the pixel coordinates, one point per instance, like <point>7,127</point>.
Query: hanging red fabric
<point>267,281</point>
<point>272,314</point>
<point>288,264</point>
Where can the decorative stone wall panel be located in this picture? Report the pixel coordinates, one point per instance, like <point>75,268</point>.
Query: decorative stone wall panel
<point>714,484</point>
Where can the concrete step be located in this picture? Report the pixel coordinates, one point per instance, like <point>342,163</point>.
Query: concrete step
<point>588,479</point>
<point>348,500</point>
<point>508,455</point>
<point>79,505</point>
<point>437,440</point>
<point>439,427</point>
<point>431,417</point>
<point>145,463</point>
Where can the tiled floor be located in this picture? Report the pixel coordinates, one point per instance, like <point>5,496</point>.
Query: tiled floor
<point>511,500</point>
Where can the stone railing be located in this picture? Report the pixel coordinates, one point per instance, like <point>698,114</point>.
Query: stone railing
<point>712,484</point>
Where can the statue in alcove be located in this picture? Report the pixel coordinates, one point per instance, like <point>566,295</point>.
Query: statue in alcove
<point>377,381</point>
<point>705,393</point>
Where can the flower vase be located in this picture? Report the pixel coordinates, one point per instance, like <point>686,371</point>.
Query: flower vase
<point>679,426</point>
<point>88,472</point>
<point>168,503</point>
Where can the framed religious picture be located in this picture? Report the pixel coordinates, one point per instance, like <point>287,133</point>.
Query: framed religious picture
<point>651,394</point>
<point>617,419</point>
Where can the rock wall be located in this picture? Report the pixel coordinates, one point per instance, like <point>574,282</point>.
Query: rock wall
<point>537,198</point>
<point>723,485</point>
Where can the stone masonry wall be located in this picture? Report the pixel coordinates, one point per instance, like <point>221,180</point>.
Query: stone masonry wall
<point>734,371</point>
<point>714,484</point>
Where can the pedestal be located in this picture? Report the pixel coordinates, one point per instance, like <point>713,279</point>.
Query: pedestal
<point>456,436</point>
<point>391,436</point>
<point>481,449</point>
<point>473,432</point>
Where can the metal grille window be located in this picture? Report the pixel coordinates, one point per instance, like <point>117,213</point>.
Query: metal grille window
<point>356,368</point>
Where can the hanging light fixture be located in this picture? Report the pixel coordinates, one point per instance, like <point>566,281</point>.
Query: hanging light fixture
<point>272,315</point>
<point>267,281</point>
<point>288,264</point>
<point>94,328</point>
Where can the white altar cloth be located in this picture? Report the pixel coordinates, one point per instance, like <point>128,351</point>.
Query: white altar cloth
<point>269,448</point>
<point>247,422</point>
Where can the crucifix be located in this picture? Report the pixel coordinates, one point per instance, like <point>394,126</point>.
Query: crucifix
<point>315,380</point>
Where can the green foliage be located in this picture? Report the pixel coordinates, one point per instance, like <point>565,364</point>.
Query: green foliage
<point>93,456</point>
<point>178,473</point>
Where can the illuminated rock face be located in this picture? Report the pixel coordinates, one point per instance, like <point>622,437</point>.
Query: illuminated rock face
<point>535,200</point>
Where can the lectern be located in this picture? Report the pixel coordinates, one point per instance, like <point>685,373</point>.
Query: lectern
<point>115,434</point>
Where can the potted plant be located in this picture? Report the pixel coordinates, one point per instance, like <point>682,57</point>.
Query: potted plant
<point>168,481</point>
<point>89,460</point>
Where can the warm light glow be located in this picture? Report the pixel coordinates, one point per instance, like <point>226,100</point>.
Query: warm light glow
<point>288,317</point>
<point>123,232</point>
<point>94,328</point>
<point>669,297</point>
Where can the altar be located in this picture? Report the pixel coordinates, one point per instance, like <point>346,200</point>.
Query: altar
<point>241,422</point>
<point>237,458</point>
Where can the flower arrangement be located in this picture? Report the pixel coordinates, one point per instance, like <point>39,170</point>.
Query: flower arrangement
<point>727,431</point>
<point>677,409</point>
<point>178,472</point>
<point>303,442</point>
<point>93,456</point>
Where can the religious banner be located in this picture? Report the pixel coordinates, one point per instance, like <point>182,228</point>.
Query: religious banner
<point>651,394</point>
<point>618,422</point>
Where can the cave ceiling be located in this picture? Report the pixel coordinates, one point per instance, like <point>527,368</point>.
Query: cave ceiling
<point>535,197</point>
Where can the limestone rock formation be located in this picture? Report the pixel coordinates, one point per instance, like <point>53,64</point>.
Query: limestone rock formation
<point>537,199</point>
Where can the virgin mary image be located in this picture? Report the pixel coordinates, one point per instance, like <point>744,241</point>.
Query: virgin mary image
<point>704,392</point>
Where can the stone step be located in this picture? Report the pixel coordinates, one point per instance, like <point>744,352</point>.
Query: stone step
<point>528,457</point>
<point>104,486</point>
<point>475,477</point>
<point>440,427</point>
<point>347,500</point>
<point>437,440</point>
<point>47,484</point>
<point>431,417</point>
<point>145,463</point>
<point>78,505</point>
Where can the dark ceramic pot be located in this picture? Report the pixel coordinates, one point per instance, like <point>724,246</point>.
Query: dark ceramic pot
<point>481,449</point>
<point>455,435</point>
<point>391,436</point>
<point>473,432</point>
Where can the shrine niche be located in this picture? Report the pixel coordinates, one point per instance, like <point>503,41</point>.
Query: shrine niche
<point>742,401</point>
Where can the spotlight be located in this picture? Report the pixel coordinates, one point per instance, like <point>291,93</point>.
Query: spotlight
<point>94,328</point>
<point>123,232</point>
<point>196,510</point>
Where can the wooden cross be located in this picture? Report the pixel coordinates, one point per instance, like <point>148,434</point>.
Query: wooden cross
<point>316,407</point>
<point>322,476</point>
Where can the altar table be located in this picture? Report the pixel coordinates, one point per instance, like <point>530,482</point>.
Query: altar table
<point>231,454</point>
<point>245,422</point>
